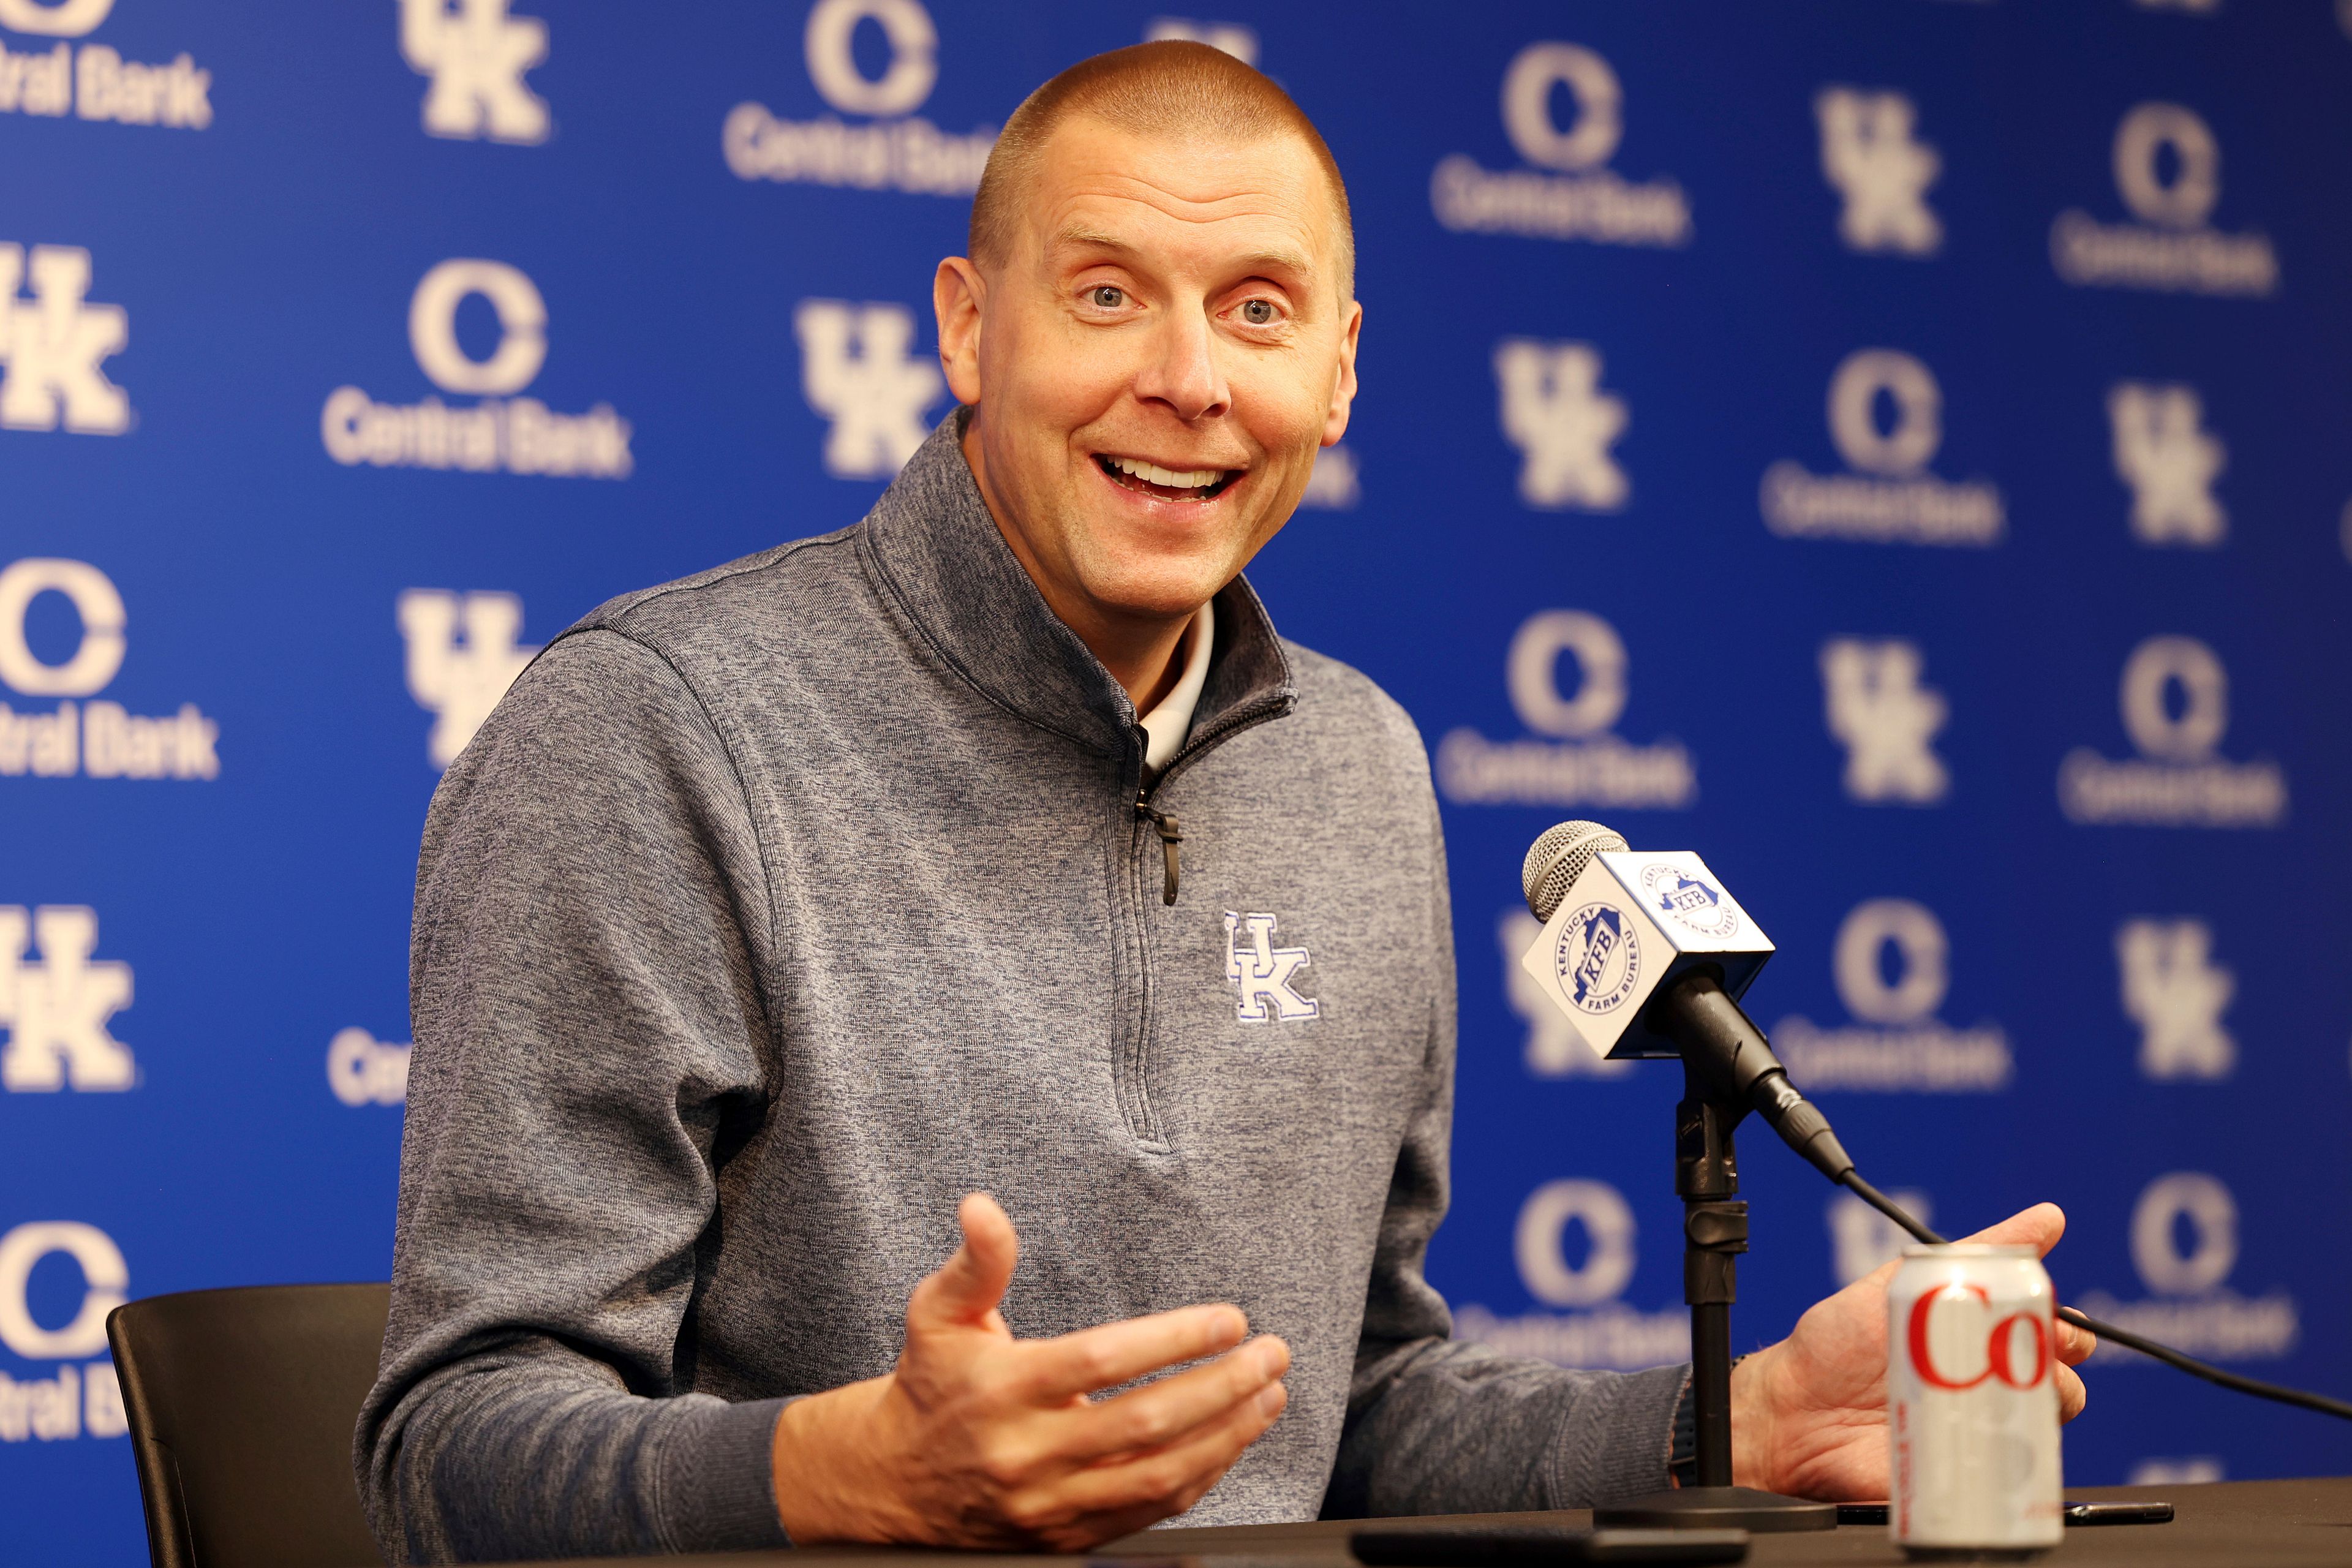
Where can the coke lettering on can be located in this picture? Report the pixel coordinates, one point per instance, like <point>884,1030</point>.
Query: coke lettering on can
<point>1972,1404</point>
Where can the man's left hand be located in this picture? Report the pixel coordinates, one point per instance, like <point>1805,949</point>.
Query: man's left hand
<point>1808,1415</point>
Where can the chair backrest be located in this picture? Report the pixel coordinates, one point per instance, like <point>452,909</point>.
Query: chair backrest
<point>242,1405</point>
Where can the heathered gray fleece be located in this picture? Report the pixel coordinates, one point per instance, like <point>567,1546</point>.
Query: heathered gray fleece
<point>775,910</point>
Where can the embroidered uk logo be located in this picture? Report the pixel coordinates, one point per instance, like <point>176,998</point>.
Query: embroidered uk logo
<point>1264,972</point>
<point>51,346</point>
<point>57,1010</point>
<point>476,54</point>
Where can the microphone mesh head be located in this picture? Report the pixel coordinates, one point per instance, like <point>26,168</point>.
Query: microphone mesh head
<point>1558,859</point>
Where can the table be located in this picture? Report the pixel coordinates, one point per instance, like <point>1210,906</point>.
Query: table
<point>2231,1524</point>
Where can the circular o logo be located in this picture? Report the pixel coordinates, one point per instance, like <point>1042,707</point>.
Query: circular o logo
<point>1690,900</point>
<point>1598,958</point>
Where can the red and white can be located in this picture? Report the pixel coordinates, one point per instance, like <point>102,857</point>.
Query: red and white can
<point>1972,1404</point>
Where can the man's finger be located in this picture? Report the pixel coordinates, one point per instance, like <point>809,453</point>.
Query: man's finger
<point>2071,1394</point>
<point>2038,1227</point>
<point>1164,1413</point>
<point>966,1289</point>
<point>1062,1368</point>
<point>1183,1471</point>
<point>2075,1345</point>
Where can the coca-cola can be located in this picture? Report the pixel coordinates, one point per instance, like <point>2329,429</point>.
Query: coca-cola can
<point>1972,1404</point>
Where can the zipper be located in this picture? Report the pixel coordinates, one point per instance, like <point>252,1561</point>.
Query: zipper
<point>1171,834</point>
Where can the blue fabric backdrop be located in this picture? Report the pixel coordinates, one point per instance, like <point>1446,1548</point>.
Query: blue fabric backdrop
<point>1898,448</point>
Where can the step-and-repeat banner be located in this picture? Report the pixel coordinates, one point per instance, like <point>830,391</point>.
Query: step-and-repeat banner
<point>1901,450</point>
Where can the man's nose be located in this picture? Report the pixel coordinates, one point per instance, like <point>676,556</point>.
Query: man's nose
<point>1181,372</point>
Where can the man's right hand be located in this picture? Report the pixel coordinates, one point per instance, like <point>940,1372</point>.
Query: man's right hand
<point>980,1439</point>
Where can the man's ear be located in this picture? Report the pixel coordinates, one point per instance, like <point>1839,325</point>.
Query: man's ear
<point>1343,383</point>
<point>958,298</point>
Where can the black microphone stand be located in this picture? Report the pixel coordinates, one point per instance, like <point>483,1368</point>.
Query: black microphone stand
<point>1714,1232</point>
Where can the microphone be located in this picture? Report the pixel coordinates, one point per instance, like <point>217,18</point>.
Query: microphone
<point>1648,955</point>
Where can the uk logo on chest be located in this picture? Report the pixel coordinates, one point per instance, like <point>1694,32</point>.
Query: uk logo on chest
<point>1265,974</point>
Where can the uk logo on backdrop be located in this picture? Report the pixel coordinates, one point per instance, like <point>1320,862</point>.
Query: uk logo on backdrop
<point>1892,966</point>
<point>1567,190</point>
<point>74,1400</point>
<point>2175,992</point>
<point>90,739</point>
<point>1872,155</point>
<point>1877,707</point>
<point>2175,699</point>
<point>93,82</point>
<point>1572,757</point>
<point>2168,169</point>
<point>2184,1244</point>
<point>476,54</point>
<point>463,653</point>
<point>1554,411</point>
<point>1591,1326</point>
<point>55,1002</point>
<point>2167,457</point>
<point>859,370</point>
<point>1553,1049</point>
<point>1886,420</point>
<point>53,345</point>
<point>891,147</point>
<point>498,431</point>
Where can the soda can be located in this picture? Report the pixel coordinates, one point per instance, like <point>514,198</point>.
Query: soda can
<point>1972,1404</point>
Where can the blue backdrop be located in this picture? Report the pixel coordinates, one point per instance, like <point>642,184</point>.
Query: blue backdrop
<point>1898,448</point>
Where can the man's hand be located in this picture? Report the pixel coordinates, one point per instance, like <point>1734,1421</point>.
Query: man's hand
<point>981,1439</point>
<point>1808,1415</point>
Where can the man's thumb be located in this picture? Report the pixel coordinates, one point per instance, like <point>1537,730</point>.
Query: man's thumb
<point>969,1285</point>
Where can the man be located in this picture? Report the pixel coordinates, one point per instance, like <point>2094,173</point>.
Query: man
<point>993,846</point>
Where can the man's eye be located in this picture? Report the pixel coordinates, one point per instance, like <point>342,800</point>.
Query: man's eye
<point>1105,297</point>
<point>1258,313</point>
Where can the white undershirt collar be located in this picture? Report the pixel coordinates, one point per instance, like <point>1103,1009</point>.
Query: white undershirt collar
<point>1167,725</point>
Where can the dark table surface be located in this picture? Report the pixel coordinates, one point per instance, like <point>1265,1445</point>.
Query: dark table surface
<point>2257,1523</point>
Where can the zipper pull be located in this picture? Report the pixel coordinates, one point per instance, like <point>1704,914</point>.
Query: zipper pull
<point>1171,834</point>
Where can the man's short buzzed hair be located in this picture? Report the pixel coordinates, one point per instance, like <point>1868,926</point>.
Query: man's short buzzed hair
<point>1165,89</point>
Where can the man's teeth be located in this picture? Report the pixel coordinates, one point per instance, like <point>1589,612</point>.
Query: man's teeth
<point>1174,479</point>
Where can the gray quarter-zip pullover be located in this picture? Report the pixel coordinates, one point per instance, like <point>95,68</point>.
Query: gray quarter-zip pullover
<point>775,910</point>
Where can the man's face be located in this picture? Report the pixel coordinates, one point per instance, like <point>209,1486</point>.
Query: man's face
<point>1155,362</point>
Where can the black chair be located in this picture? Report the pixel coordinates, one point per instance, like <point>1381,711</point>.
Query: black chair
<point>241,1406</point>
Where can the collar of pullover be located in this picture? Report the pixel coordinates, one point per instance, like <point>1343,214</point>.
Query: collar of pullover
<point>938,551</point>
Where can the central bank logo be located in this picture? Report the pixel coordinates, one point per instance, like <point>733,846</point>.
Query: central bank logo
<point>859,370</point>
<point>2175,699</point>
<point>1879,166</point>
<point>1574,1246</point>
<point>1555,412</point>
<point>1563,109</point>
<point>2164,453</point>
<point>99,739</point>
<point>1886,420</point>
<point>1878,709</point>
<point>462,654</point>
<point>73,1401</point>
<point>364,1070</point>
<point>1577,760</point>
<point>2184,1244</point>
<point>475,54</point>
<point>1264,972</point>
<point>55,1007</point>
<point>52,345</point>
<point>894,148</point>
<point>1892,966</point>
<point>498,432</point>
<point>2167,169</point>
<point>93,82</point>
<point>2175,992</point>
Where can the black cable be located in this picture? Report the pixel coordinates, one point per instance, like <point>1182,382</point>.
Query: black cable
<point>2125,1337</point>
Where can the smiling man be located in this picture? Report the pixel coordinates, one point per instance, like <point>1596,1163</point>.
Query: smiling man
<point>994,846</point>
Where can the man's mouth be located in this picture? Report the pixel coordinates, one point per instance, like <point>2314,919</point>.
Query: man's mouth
<point>1165,484</point>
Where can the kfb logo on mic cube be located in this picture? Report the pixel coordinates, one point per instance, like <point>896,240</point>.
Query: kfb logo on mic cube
<point>1630,924</point>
